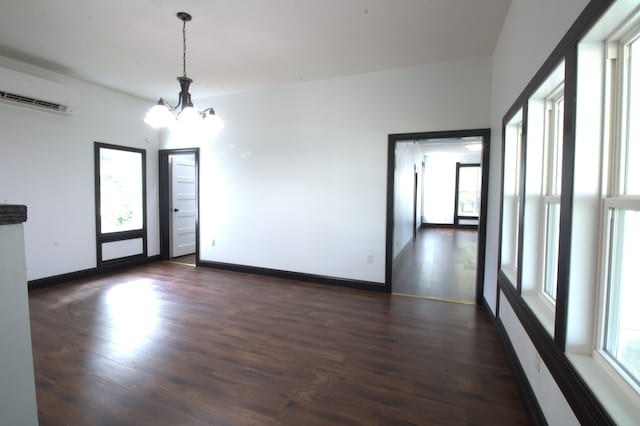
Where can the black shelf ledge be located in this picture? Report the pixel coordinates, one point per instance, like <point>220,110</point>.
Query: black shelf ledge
<point>11,214</point>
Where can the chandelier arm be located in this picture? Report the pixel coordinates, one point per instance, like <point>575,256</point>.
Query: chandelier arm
<point>164,102</point>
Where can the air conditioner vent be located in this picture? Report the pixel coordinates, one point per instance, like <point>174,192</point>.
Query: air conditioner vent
<point>27,101</point>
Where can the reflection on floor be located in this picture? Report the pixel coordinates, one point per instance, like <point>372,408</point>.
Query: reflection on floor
<point>189,259</point>
<point>440,264</point>
<point>165,344</point>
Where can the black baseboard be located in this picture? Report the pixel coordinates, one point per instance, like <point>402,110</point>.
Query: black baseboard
<point>88,273</point>
<point>534,412</point>
<point>298,276</point>
<point>448,226</point>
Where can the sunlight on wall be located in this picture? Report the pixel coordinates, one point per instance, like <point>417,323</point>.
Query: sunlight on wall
<point>439,187</point>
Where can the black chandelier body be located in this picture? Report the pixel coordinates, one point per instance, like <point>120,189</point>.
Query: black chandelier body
<point>161,114</point>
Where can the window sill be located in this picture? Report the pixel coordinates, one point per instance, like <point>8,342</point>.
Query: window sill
<point>615,400</point>
<point>545,315</point>
<point>510,272</point>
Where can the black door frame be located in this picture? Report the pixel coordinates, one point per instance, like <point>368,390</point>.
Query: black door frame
<point>415,202</point>
<point>164,202</point>
<point>393,140</point>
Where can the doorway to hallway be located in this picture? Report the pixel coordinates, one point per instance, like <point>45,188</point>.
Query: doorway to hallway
<point>445,259</point>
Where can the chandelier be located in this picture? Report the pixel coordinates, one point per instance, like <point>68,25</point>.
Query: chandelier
<point>160,115</point>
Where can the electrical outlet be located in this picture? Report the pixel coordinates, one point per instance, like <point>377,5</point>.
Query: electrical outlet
<point>370,258</point>
<point>213,243</point>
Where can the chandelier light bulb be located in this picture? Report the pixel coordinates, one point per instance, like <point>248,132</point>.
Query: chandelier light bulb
<point>189,115</point>
<point>159,116</point>
<point>213,122</point>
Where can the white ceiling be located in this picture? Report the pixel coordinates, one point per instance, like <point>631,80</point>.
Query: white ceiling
<point>237,45</point>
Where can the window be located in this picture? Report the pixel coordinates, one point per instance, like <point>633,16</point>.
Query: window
<point>511,197</point>
<point>554,128</point>
<point>542,189</point>
<point>621,321</point>
<point>468,190</point>
<point>120,190</point>
<point>120,203</point>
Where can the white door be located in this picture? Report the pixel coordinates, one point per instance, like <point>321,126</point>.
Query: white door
<point>182,168</point>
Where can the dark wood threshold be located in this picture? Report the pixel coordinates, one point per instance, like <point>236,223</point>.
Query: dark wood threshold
<point>534,411</point>
<point>298,276</point>
<point>89,273</point>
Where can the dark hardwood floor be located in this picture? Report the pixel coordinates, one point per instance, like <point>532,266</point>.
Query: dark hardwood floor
<point>441,264</point>
<point>168,344</point>
<point>189,259</point>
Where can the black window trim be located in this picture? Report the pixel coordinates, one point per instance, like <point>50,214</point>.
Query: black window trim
<point>102,238</point>
<point>587,408</point>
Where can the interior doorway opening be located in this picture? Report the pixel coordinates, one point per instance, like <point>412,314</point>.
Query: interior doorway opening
<point>179,205</point>
<point>436,249</point>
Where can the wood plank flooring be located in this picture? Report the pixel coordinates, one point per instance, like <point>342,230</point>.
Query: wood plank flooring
<point>441,263</point>
<point>168,344</point>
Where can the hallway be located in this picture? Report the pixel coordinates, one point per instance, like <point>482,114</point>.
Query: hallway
<point>440,264</point>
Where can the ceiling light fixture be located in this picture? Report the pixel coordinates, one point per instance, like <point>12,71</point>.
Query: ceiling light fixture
<point>474,147</point>
<point>161,114</point>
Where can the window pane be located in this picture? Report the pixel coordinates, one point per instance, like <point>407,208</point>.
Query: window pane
<point>120,190</point>
<point>556,162</point>
<point>551,249</point>
<point>622,341</point>
<point>511,197</point>
<point>632,178</point>
<point>469,191</point>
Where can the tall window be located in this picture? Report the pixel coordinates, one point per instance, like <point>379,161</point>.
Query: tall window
<point>120,190</point>
<point>621,339</point>
<point>542,183</point>
<point>468,191</point>
<point>120,203</point>
<point>554,128</point>
<point>511,197</point>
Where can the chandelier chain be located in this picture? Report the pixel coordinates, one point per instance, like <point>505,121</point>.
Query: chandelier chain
<point>184,48</point>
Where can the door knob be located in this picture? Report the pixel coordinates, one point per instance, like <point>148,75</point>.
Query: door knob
<point>176,210</point>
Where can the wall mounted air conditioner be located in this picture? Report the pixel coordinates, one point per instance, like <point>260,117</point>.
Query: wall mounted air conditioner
<point>22,90</point>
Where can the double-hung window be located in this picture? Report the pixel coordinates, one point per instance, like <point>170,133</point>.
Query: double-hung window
<point>542,188</point>
<point>554,128</point>
<point>620,322</point>
<point>513,144</point>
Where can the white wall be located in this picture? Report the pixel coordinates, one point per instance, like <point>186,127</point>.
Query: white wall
<point>440,184</point>
<point>46,162</point>
<point>531,31</point>
<point>408,161</point>
<point>297,179</point>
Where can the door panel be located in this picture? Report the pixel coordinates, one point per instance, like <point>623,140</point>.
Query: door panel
<point>182,169</point>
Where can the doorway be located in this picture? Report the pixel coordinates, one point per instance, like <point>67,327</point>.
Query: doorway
<point>178,186</point>
<point>468,249</point>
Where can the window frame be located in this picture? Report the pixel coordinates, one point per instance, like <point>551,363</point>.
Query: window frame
<point>456,216</point>
<point>515,123</point>
<point>111,237</point>
<point>552,183</point>
<point>615,197</point>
